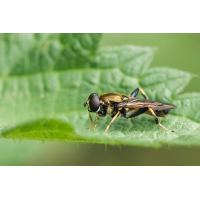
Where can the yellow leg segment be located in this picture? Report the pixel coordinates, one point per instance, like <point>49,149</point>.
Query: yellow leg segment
<point>143,93</point>
<point>156,120</point>
<point>112,120</point>
<point>96,122</point>
<point>91,121</point>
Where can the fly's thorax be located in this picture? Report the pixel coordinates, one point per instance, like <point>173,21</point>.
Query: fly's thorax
<point>126,109</point>
<point>109,110</point>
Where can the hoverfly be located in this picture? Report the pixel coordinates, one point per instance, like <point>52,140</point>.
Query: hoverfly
<point>121,105</point>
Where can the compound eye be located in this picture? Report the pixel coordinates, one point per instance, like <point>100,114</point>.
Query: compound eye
<point>94,102</point>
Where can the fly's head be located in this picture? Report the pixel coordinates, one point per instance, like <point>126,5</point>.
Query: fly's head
<point>93,103</point>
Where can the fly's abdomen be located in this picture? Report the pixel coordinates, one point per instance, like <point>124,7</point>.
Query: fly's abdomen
<point>161,113</point>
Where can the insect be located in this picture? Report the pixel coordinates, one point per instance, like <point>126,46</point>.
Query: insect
<point>126,106</point>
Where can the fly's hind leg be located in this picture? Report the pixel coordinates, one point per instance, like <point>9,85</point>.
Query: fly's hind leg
<point>112,120</point>
<point>135,93</point>
<point>91,121</point>
<point>156,120</point>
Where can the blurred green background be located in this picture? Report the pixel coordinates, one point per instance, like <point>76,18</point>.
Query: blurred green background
<point>181,51</point>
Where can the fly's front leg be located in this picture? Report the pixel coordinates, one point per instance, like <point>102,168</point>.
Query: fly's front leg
<point>135,93</point>
<point>91,121</point>
<point>156,120</point>
<point>112,120</point>
<point>96,120</point>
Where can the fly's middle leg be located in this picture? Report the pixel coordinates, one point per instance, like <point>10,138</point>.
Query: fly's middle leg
<point>112,120</point>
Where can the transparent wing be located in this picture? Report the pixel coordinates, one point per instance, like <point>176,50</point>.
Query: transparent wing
<point>134,102</point>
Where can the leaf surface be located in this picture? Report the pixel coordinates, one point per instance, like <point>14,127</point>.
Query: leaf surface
<point>45,78</point>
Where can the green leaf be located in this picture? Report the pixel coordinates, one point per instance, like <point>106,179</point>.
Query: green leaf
<point>43,129</point>
<point>45,78</point>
